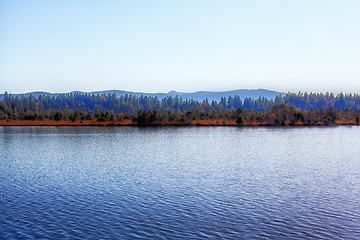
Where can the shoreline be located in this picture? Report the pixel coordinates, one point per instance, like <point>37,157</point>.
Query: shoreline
<point>210,123</point>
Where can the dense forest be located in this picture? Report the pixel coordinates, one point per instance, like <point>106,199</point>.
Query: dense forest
<point>289,109</point>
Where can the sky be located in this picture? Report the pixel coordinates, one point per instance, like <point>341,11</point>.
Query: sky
<point>183,45</point>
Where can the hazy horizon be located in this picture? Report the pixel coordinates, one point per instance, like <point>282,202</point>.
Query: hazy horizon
<point>165,92</point>
<point>104,90</point>
<point>187,46</point>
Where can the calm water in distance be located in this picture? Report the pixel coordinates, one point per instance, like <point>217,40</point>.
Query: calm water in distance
<point>179,183</point>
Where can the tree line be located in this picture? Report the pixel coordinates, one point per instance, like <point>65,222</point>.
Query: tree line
<point>289,109</point>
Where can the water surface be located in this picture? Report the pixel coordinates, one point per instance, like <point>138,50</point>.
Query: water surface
<point>171,183</point>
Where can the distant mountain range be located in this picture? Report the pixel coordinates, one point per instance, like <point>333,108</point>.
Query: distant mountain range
<point>198,96</point>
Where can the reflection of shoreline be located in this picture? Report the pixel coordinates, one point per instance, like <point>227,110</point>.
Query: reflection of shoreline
<point>159,124</point>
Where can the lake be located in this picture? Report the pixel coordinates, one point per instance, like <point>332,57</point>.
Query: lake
<point>179,183</point>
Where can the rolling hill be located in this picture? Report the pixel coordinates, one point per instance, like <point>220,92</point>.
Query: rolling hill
<point>198,96</point>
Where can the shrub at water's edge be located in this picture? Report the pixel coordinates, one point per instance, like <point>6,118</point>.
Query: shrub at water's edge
<point>279,115</point>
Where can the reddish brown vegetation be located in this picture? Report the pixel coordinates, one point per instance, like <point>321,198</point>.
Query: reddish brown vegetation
<point>220,122</point>
<point>48,122</point>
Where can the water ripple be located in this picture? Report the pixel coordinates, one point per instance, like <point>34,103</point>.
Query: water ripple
<point>179,183</point>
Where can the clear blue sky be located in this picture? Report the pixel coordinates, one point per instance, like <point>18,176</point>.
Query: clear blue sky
<point>157,46</point>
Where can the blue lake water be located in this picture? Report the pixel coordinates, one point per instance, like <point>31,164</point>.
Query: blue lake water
<point>179,183</point>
